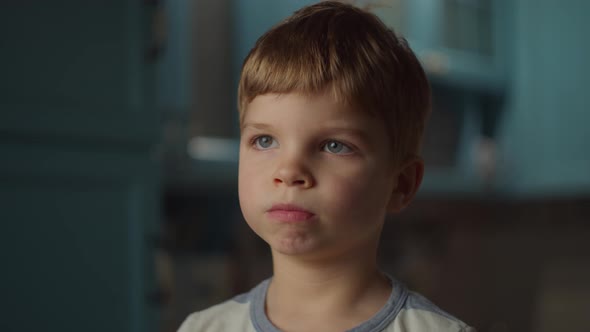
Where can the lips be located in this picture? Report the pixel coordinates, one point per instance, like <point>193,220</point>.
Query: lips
<point>289,213</point>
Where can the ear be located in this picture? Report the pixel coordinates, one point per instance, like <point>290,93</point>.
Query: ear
<point>408,181</point>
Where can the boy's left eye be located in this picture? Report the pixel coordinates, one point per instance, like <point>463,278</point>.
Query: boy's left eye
<point>336,147</point>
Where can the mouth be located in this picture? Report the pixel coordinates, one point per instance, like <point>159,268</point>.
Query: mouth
<point>289,213</point>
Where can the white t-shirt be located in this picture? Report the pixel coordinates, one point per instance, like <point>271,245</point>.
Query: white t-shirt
<point>405,311</point>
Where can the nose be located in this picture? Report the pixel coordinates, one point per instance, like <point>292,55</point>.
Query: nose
<point>293,172</point>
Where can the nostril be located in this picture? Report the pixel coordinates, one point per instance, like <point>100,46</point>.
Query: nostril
<point>293,177</point>
<point>298,182</point>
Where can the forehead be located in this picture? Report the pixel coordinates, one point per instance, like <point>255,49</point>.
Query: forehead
<point>321,106</point>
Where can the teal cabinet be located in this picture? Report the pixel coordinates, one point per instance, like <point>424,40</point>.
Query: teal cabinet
<point>78,179</point>
<point>461,43</point>
<point>545,137</point>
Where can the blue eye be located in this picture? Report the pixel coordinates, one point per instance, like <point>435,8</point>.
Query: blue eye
<point>337,147</point>
<point>264,142</point>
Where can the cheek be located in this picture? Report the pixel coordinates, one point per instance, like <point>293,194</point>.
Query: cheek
<point>360,196</point>
<point>251,179</point>
<point>247,199</point>
<point>246,189</point>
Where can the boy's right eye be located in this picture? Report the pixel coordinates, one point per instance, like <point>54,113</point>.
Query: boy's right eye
<point>265,142</point>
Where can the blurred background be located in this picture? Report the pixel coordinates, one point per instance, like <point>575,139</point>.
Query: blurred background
<point>118,171</point>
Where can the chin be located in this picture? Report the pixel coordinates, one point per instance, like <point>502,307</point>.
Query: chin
<point>294,247</point>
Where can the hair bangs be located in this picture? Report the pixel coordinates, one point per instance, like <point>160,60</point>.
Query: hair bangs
<point>312,56</point>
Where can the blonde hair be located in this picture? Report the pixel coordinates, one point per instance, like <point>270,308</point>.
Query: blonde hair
<point>346,51</point>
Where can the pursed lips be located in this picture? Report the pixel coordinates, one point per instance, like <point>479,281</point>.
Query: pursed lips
<point>289,213</point>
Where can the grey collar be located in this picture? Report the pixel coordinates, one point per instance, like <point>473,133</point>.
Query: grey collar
<point>378,322</point>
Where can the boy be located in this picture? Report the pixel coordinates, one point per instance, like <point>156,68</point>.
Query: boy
<point>332,108</point>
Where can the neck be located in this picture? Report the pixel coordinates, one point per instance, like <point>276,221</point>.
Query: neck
<point>325,274</point>
<point>350,287</point>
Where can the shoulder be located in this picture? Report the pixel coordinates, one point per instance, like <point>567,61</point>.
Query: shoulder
<point>419,314</point>
<point>231,315</point>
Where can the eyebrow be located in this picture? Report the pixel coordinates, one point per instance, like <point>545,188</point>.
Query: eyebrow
<point>259,126</point>
<point>359,134</point>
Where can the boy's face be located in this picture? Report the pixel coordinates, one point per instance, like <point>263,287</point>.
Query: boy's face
<point>315,177</point>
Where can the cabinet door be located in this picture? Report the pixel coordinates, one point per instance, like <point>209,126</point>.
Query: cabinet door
<point>78,185</point>
<point>546,141</point>
<point>462,44</point>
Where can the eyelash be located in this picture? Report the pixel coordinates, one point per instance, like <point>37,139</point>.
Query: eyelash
<point>324,144</point>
